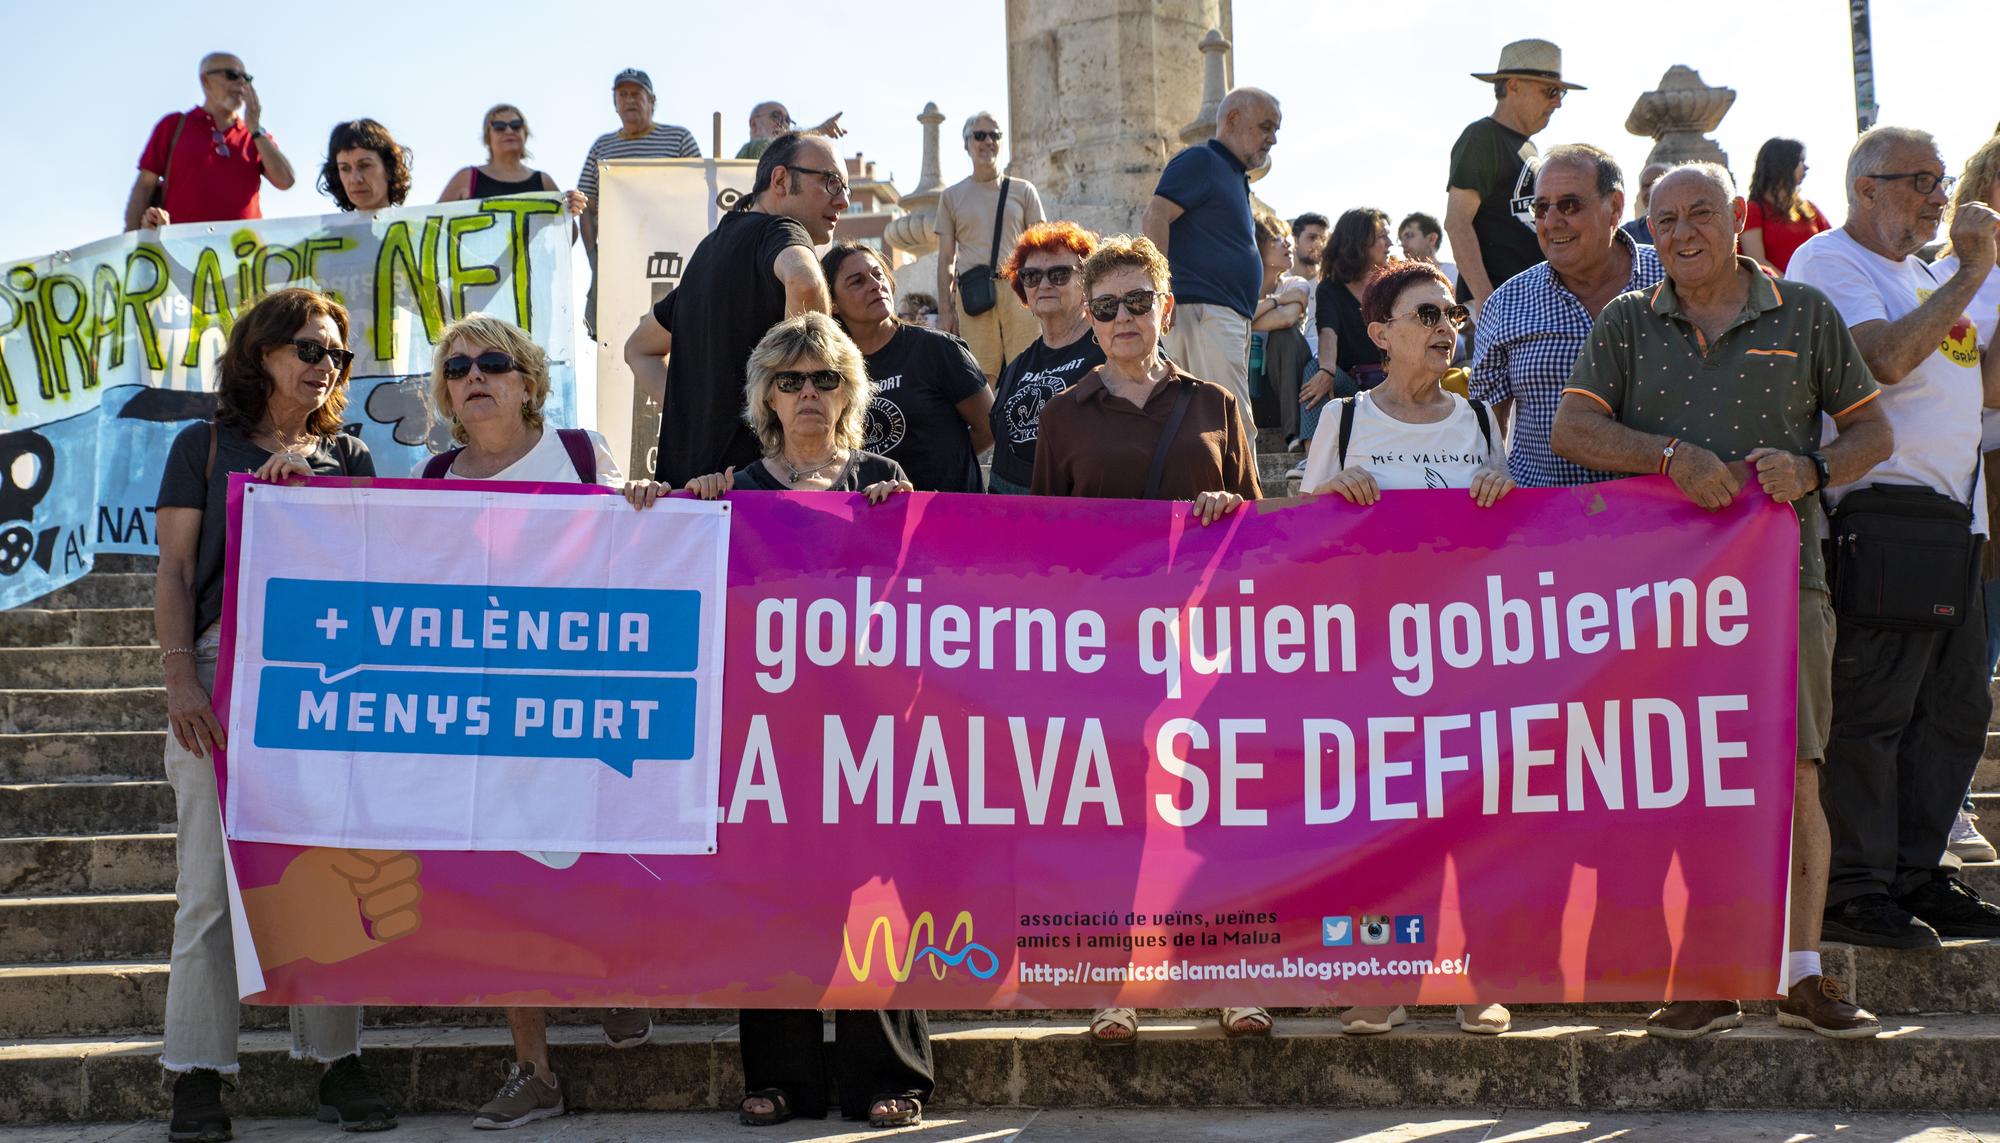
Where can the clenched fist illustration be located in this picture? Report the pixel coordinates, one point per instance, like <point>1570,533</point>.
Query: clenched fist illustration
<point>333,904</point>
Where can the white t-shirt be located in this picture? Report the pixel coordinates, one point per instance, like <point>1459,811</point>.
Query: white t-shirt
<point>549,463</point>
<point>1985,315</point>
<point>1291,281</point>
<point>1935,410</point>
<point>1443,454</point>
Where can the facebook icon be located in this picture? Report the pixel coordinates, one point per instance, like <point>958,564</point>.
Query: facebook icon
<point>1409,930</point>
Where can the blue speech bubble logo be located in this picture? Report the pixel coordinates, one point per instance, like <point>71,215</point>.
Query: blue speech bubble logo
<point>347,624</point>
<point>615,719</point>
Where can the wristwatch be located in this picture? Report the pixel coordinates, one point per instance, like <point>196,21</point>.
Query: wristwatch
<point>1820,467</point>
<point>259,133</point>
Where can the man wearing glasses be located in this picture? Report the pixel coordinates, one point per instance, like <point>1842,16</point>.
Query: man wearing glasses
<point>212,159</point>
<point>1536,322</point>
<point>1910,706</point>
<point>691,351</point>
<point>770,119</point>
<point>1493,171</point>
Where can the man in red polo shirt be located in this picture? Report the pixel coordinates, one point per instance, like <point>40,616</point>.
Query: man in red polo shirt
<point>211,158</point>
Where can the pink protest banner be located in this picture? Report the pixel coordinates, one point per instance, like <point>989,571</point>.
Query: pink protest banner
<point>1017,752</point>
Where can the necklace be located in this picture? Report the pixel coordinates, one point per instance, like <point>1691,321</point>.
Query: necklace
<point>303,443</point>
<point>794,475</point>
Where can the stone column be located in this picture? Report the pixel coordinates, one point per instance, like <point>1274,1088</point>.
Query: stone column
<point>1678,115</point>
<point>913,230</point>
<point>1098,91</point>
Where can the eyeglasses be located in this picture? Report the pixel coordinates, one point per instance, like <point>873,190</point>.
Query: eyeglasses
<point>231,74</point>
<point>836,183</point>
<point>508,124</point>
<point>491,363</point>
<point>1428,314</point>
<point>1057,276</point>
<point>986,136</point>
<point>793,380</point>
<point>312,353</point>
<point>1138,303</point>
<point>1567,206</point>
<point>1924,181</point>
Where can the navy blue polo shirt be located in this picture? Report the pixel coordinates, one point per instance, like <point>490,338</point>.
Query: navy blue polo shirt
<point>1212,246</point>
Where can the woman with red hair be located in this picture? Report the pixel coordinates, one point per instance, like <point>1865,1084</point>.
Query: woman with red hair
<point>1045,273</point>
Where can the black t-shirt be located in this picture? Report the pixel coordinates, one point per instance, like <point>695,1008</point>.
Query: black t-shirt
<point>1500,163</point>
<point>1027,383</point>
<point>920,377</point>
<point>182,486</point>
<point>1336,308</point>
<point>862,469</point>
<point>728,299</point>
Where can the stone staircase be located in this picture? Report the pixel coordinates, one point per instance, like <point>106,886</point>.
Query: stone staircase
<point>86,913</point>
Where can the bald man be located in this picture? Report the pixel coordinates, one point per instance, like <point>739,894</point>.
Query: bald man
<point>212,159</point>
<point>1200,219</point>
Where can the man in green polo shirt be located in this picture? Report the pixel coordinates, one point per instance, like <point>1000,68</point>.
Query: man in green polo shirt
<point>1715,379</point>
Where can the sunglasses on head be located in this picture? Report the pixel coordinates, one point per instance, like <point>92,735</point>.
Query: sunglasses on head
<point>793,380</point>
<point>1428,314</point>
<point>986,136</point>
<point>507,124</point>
<point>1566,206</point>
<point>312,353</point>
<point>491,363</point>
<point>1056,275</point>
<point>230,74</point>
<point>1138,303</point>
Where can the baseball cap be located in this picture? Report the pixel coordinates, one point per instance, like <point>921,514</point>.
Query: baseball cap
<point>634,75</point>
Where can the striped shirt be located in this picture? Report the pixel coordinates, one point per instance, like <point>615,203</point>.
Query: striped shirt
<point>664,141</point>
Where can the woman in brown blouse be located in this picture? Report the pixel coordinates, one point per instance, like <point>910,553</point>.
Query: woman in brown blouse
<point>1098,438</point>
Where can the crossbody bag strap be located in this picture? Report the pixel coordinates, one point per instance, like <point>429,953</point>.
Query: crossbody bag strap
<point>999,219</point>
<point>1485,423</point>
<point>437,466</point>
<point>582,454</point>
<point>1158,471</point>
<point>173,144</point>
<point>1346,430</point>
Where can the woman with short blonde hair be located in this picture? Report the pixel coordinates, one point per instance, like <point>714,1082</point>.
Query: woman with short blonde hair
<point>504,132</point>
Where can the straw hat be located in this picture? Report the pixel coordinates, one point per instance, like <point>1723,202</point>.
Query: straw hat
<point>1530,59</point>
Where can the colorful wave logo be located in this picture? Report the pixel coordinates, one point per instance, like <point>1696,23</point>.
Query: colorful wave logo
<point>920,946</point>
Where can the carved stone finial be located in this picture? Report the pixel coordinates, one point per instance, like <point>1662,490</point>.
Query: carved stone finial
<point>1214,63</point>
<point>911,230</point>
<point>1679,114</point>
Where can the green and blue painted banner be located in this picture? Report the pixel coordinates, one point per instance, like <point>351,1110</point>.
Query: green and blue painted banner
<point>107,351</point>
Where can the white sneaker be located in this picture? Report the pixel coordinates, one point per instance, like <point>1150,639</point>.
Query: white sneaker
<point>1966,842</point>
<point>1296,472</point>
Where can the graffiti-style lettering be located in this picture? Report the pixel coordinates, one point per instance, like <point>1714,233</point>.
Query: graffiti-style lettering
<point>419,271</point>
<point>208,300</point>
<point>519,211</point>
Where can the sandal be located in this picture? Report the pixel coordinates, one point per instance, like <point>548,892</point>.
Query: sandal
<point>1260,1022</point>
<point>781,1108</point>
<point>896,1111</point>
<point>1106,1019</point>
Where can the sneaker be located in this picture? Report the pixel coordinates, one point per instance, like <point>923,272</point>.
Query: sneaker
<point>524,1098</point>
<point>1686,1019</point>
<point>1874,919</point>
<point>198,1116</point>
<point>1296,472</point>
<point>1368,1020</point>
<point>348,1098</point>
<point>1484,1020</point>
<point>1820,1003</point>
<point>1952,907</point>
<point>627,1027</point>
<point>1966,842</point>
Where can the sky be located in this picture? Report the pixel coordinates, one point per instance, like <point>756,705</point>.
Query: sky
<point>1373,94</point>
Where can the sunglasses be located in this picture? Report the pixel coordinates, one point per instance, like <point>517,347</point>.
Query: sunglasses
<point>312,353</point>
<point>793,380</point>
<point>508,124</point>
<point>1566,206</point>
<point>986,136</point>
<point>491,363</point>
<point>1924,181</point>
<point>220,140</point>
<point>231,74</point>
<point>1428,314</point>
<point>1138,303</point>
<point>1056,275</point>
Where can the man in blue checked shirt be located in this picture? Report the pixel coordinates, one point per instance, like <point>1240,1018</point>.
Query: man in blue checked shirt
<point>1532,328</point>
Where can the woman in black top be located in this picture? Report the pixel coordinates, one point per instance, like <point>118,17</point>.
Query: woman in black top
<point>1359,245</point>
<point>929,411</point>
<point>505,133</point>
<point>1046,273</point>
<point>807,397</point>
<point>281,389</point>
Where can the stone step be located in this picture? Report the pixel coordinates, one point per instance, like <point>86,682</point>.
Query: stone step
<point>85,927</point>
<point>81,668</point>
<point>115,708</point>
<point>54,756</point>
<point>1946,1062</point>
<point>1271,469</point>
<point>107,863</point>
<point>85,807</point>
<point>80,627</point>
<point>102,589</point>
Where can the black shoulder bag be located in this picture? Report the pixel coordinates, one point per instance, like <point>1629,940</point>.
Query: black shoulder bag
<point>976,290</point>
<point>1904,558</point>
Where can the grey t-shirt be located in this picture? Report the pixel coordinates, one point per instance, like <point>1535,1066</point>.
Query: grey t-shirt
<point>182,486</point>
